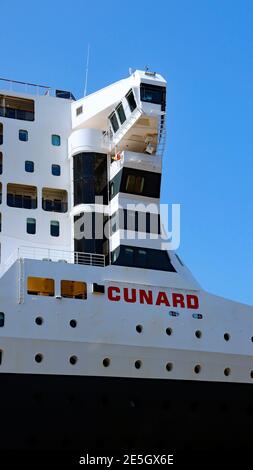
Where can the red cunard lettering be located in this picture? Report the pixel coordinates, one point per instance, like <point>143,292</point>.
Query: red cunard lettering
<point>131,299</point>
<point>162,299</point>
<point>192,301</point>
<point>146,297</point>
<point>111,293</point>
<point>178,300</point>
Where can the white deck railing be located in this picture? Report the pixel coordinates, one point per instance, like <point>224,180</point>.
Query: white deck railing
<point>50,254</point>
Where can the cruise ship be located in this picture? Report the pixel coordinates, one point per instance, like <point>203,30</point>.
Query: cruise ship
<point>107,341</point>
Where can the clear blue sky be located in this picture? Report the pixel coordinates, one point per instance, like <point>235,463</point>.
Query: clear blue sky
<point>205,50</point>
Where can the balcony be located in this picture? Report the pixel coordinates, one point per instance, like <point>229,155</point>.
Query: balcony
<point>16,108</point>
<point>21,196</point>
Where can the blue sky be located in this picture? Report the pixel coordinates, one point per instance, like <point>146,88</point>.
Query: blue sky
<point>205,50</point>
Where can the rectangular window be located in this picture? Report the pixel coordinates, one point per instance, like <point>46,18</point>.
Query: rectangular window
<point>79,110</point>
<point>56,140</point>
<point>54,228</point>
<point>131,100</point>
<point>29,166</point>
<point>54,200</point>
<point>23,135</point>
<point>134,184</point>
<point>121,113</point>
<point>31,226</point>
<point>114,122</point>
<point>1,163</point>
<point>74,289</point>
<point>16,108</point>
<point>153,94</point>
<point>138,257</point>
<point>40,286</point>
<point>22,196</point>
<point>1,319</point>
<point>56,170</point>
<point>1,133</point>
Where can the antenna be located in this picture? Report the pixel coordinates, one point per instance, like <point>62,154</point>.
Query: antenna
<point>87,70</point>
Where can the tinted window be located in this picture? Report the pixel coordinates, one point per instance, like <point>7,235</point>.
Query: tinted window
<point>1,319</point>
<point>23,135</point>
<point>121,113</point>
<point>56,170</point>
<point>56,140</point>
<point>31,226</point>
<point>114,122</point>
<point>138,257</point>
<point>54,228</point>
<point>29,166</point>
<point>131,100</point>
<point>153,94</point>
<point>143,183</point>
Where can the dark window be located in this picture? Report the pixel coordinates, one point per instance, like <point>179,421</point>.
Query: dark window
<point>56,140</point>
<point>121,113</point>
<point>98,288</point>
<point>79,110</point>
<point>90,178</point>
<point>29,166</point>
<point>143,183</point>
<point>23,135</point>
<point>16,108</point>
<point>31,226</point>
<point>54,228</point>
<point>114,122</point>
<point>131,100</point>
<point>21,196</point>
<point>153,94</point>
<point>138,257</point>
<point>1,163</point>
<point>56,170</point>
<point>1,132</point>
<point>54,200</point>
<point>1,319</point>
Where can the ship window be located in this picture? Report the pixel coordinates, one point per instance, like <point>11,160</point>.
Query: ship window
<point>134,184</point>
<point>29,166</point>
<point>138,257</point>
<point>1,163</point>
<point>79,110</point>
<point>40,286</point>
<point>56,170</point>
<point>1,133</point>
<point>54,228</point>
<point>0,193</point>
<point>114,122</point>
<point>16,108</point>
<point>31,226</point>
<point>0,222</point>
<point>121,113</point>
<point>56,140</point>
<point>1,319</point>
<point>131,100</point>
<point>153,94</point>
<point>23,135</point>
<point>54,200</point>
<point>74,289</point>
<point>22,196</point>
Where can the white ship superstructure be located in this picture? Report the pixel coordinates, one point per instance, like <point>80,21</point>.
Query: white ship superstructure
<point>120,306</point>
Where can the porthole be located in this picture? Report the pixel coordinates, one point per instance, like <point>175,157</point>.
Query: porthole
<point>38,357</point>
<point>169,366</point>
<point>39,321</point>
<point>227,371</point>
<point>139,328</point>
<point>73,323</point>
<point>73,360</point>
<point>197,369</point>
<point>198,334</point>
<point>226,336</point>
<point>106,362</point>
<point>169,331</point>
<point>138,364</point>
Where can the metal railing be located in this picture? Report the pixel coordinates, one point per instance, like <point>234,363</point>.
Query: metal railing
<point>50,254</point>
<point>33,89</point>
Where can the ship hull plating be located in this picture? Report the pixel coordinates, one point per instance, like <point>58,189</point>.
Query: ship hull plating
<point>51,412</point>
